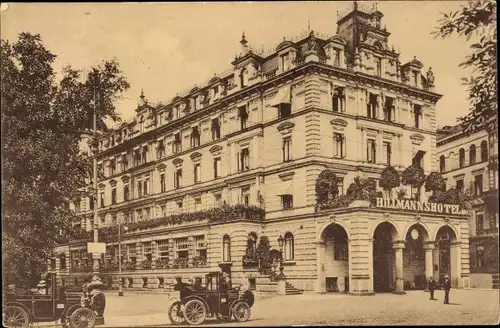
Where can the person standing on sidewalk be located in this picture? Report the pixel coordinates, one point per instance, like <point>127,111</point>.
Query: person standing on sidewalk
<point>432,287</point>
<point>446,287</point>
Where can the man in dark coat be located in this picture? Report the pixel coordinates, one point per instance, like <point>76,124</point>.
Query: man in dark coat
<point>446,287</point>
<point>432,287</point>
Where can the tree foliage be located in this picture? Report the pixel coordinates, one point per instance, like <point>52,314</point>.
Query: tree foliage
<point>43,168</point>
<point>263,254</point>
<point>360,189</point>
<point>434,182</point>
<point>389,178</point>
<point>477,19</point>
<point>414,176</point>
<point>326,186</point>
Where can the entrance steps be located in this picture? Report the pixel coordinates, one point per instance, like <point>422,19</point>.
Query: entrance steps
<point>495,282</point>
<point>291,290</point>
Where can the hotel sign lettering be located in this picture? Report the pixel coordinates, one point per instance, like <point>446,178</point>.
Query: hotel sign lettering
<point>413,205</point>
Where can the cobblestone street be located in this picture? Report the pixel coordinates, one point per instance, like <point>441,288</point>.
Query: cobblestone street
<point>466,307</point>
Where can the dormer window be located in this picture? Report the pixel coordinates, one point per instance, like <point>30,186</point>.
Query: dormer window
<point>216,91</point>
<point>195,137</point>
<point>141,125</point>
<point>215,129</point>
<point>415,79</point>
<point>243,78</point>
<point>243,115</point>
<point>177,145</point>
<point>284,62</point>
<point>336,57</point>
<point>177,112</point>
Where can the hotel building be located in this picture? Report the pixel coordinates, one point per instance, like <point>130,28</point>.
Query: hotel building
<point>199,180</point>
<point>465,161</point>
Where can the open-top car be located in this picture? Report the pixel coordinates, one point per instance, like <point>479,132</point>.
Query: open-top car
<point>217,298</point>
<point>49,303</point>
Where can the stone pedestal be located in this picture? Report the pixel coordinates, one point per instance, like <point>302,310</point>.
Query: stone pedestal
<point>281,287</point>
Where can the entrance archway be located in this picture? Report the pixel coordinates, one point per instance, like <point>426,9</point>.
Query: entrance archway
<point>384,268</point>
<point>414,257</point>
<point>448,252</point>
<point>335,256</point>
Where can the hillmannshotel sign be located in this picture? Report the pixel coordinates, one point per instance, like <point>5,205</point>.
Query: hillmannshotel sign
<point>413,205</point>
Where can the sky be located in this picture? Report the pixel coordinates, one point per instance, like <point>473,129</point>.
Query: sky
<point>166,48</point>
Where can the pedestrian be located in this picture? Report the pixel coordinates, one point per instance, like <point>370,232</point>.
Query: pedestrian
<point>446,287</point>
<point>432,287</point>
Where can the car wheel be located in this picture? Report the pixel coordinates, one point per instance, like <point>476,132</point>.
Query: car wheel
<point>241,311</point>
<point>82,318</point>
<point>175,313</point>
<point>15,316</point>
<point>195,312</point>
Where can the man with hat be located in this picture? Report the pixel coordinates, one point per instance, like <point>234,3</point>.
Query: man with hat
<point>432,287</point>
<point>446,287</point>
<point>42,287</point>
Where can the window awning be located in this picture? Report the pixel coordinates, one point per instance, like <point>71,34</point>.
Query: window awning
<point>285,188</point>
<point>282,97</point>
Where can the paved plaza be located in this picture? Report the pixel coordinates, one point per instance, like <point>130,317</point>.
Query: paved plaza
<point>466,307</point>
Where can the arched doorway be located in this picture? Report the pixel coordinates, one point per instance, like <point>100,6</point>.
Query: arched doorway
<point>447,253</point>
<point>384,268</point>
<point>414,257</point>
<point>335,255</point>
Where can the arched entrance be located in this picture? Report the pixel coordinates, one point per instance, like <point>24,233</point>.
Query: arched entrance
<point>414,273</point>
<point>334,259</point>
<point>448,252</point>
<point>384,269</point>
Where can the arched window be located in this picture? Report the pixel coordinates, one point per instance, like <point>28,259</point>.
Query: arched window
<point>442,164</point>
<point>62,262</point>
<point>461,157</point>
<point>472,154</point>
<point>252,241</point>
<point>226,249</point>
<point>484,151</point>
<point>288,251</point>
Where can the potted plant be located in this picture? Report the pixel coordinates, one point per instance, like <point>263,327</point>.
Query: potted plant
<point>389,179</point>
<point>180,262</point>
<point>161,263</point>
<point>199,261</point>
<point>359,191</point>
<point>146,264</point>
<point>435,183</point>
<point>414,176</point>
<point>262,254</point>
<point>326,187</point>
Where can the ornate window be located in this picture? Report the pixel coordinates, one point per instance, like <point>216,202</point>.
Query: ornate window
<point>339,149</point>
<point>216,129</point>
<point>226,249</point>
<point>243,159</point>
<point>178,178</point>
<point>197,173</point>
<point>371,151</point>
<point>289,247</point>
<point>195,137</point>
<point>243,116</point>
<point>387,152</point>
<point>287,148</point>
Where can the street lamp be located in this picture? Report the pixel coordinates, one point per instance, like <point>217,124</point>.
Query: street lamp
<point>280,244</point>
<point>94,147</point>
<point>120,283</point>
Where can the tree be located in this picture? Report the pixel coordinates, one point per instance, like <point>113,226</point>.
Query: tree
<point>413,176</point>
<point>43,169</point>
<point>435,183</point>
<point>263,255</point>
<point>326,186</point>
<point>477,18</point>
<point>389,178</point>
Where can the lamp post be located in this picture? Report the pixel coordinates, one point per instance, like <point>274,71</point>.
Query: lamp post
<point>120,284</point>
<point>280,244</point>
<point>95,150</point>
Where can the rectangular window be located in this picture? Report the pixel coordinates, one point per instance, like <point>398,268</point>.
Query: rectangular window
<point>163,186</point>
<point>200,246</point>
<point>388,109</point>
<point>218,199</point>
<point>478,185</point>
<point>113,196</point>
<point>460,186</point>
<point>339,145</point>
<point>124,163</point>
<point>160,150</point>
<point>215,129</point>
<point>162,247</point>
<point>287,149</point>
<point>101,199</point>
<point>244,160</point>
<point>147,251</point>
<point>340,185</point>
<point>137,157</point>
<point>112,166</point>
<point>387,152</point>
<point>336,57</point>
<point>287,201</point>
<point>415,79</point>
<point>181,247</point>
<point>338,99</point>
<point>371,107</point>
<point>144,154</point>
<point>131,253</point>
<point>145,185</point>
<point>163,210</point>
<point>417,112</point>
<point>139,188</point>
<point>479,222</point>
<point>177,144</point>
<point>284,110</point>
<point>177,178</point>
<point>371,151</point>
<point>378,66</point>
<point>243,115</point>
<point>245,196</point>
<point>126,192</point>
<point>195,138</point>
<point>197,204</point>
<point>197,173</point>
<point>217,167</point>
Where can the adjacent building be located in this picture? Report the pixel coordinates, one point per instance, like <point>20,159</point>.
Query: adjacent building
<point>196,183</point>
<point>465,161</point>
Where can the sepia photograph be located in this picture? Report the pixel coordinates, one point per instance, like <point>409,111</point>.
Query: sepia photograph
<point>243,164</point>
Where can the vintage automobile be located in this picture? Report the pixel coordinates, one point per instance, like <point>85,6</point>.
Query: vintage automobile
<point>74,308</point>
<point>217,298</point>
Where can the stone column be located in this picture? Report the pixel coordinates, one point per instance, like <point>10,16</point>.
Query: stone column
<point>455,264</point>
<point>429,268</point>
<point>398,247</point>
<point>320,267</point>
